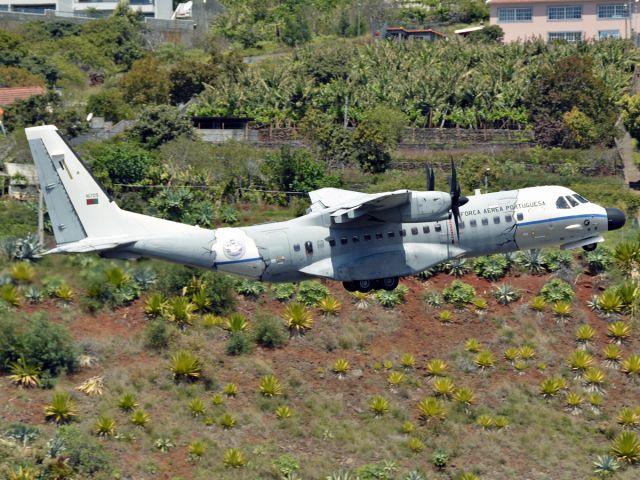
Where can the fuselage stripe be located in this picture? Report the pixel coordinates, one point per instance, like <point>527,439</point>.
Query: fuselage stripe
<point>244,260</point>
<point>547,220</point>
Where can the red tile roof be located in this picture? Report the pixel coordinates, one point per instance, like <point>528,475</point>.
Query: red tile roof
<point>413,30</point>
<point>516,2</point>
<point>11,94</point>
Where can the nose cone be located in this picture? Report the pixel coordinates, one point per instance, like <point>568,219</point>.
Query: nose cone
<point>616,218</point>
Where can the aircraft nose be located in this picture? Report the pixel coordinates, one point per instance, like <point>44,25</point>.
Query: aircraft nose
<point>615,218</point>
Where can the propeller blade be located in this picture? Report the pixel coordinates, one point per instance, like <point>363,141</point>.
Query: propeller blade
<point>431,179</point>
<point>456,199</point>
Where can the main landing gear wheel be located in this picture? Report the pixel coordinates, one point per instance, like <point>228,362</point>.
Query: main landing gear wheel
<point>590,248</point>
<point>365,286</point>
<point>350,286</point>
<point>390,283</point>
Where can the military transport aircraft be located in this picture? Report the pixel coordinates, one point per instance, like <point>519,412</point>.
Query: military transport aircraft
<point>366,241</point>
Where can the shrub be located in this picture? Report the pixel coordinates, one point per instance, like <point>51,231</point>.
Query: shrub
<point>432,298</point>
<point>62,408</point>
<point>492,267</point>
<point>239,343</point>
<point>270,386</point>
<point>459,293</point>
<point>42,344</point>
<point>440,459</point>
<point>249,288</point>
<point>185,366</point>
<point>283,291</point>
<point>389,299</point>
<point>557,290</point>
<point>311,292</point>
<point>599,260</point>
<point>164,444</point>
<point>86,456</point>
<point>505,294</point>
<point>157,335</point>
<point>555,260</point>
<point>269,331</point>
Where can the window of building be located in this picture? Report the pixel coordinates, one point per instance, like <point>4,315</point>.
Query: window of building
<point>332,242</point>
<point>615,10</point>
<point>473,223</point>
<point>355,239</point>
<point>520,217</point>
<point>508,218</point>
<point>344,240</point>
<point>391,234</point>
<point>296,247</point>
<point>438,228</point>
<point>515,14</point>
<point>367,237</point>
<point>414,231</point>
<point>569,37</point>
<point>602,34</point>
<point>378,236</point>
<point>496,220</point>
<point>425,229</point>
<point>33,9</point>
<point>485,221</point>
<point>571,12</point>
<point>562,203</point>
<point>4,8</point>
<point>403,233</point>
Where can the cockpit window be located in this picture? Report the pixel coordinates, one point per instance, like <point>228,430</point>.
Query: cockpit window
<point>572,201</point>
<point>562,203</point>
<point>580,198</point>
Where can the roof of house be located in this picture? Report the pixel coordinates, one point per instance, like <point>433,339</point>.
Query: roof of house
<point>26,170</point>
<point>516,2</point>
<point>11,94</point>
<point>413,30</point>
<point>468,30</point>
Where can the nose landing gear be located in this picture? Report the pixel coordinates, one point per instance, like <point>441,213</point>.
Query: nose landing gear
<point>590,248</point>
<point>389,283</point>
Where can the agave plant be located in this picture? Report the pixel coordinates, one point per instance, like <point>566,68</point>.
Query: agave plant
<point>22,473</point>
<point>196,449</point>
<point>62,408</point>
<point>379,405</point>
<point>485,360</point>
<point>270,386</point>
<point>105,427</point>
<point>10,295</point>
<point>480,304</point>
<point>506,294</point>
<point>433,299</point>
<point>155,305</point>
<point>593,379</point>
<point>472,345</point>
<point>127,402</point>
<point>457,267</point>
<point>436,367</point>
<point>341,367</point>
<point>164,444</point>
<point>631,366</point>
<point>627,255</point>
<point>619,332</point>
<point>329,305</point>
<point>407,428</point>
<point>92,386</point>
<point>234,458</point>
<point>443,387</point>
<point>361,300</point>
<point>236,323</point>
<point>552,386</point>
<point>526,352</point>
<point>64,293</point>
<point>579,361</point>
<point>408,361</point>
<point>485,422</point>
<point>599,260</point>
<point>197,407</point>
<point>612,355</point>
<point>227,421</point>
<point>500,422</point>
<point>538,304</point>
<point>609,302</point>
<point>140,418</point>
<point>629,293</point>
<point>628,418</point>
<point>584,335</point>
<point>22,272</point>
<point>201,300</point>
<point>445,317</point>
<point>626,447</point>
<point>511,354</point>
<point>298,318</point>
<point>230,390</point>
<point>532,261</point>
<point>432,409</point>
<point>562,310</point>
<point>595,402</point>
<point>605,466</point>
<point>185,365</point>
<point>573,402</point>
<point>33,294</point>
<point>283,411</point>
<point>180,311</point>
<point>24,374</point>
<point>465,396</point>
<point>395,379</point>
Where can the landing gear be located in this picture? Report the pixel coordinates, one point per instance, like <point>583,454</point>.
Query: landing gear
<point>590,248</point>
<point>389,283</point>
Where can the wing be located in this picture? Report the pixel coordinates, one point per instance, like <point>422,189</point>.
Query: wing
<point>348,205</point>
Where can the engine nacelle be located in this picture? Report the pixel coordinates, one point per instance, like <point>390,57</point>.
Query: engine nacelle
<point>423,207</point>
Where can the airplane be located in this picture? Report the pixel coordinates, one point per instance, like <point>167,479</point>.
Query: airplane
<point>366,241</point>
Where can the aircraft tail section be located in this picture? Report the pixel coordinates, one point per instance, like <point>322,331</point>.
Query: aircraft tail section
<point>81,212</point>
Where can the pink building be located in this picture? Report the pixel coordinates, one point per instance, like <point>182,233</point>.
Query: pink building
<point>568,20</point>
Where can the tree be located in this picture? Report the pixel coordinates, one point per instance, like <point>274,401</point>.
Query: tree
<point>187,78</point>
<point>582,131</point>
<point>146,82</point>
<point>122,162</point>
<point>19,77</point>
<point>489,34</point>
<point>296,170</point>
<point>332,142</point>
<point>376,136</point>
<point>567,84</point>
<point>631,114</point>
<point>296,30</point>
<point>108,103</point>
<point>159,124</point>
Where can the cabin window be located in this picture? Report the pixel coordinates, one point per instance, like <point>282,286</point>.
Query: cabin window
<point>320,243</point>
<point>473,223</point>
<point>332,242</point>
<point>378,236</point>
<point>391,234</point>
<point>403,233</point>
<point>296,247</point>
<point>308,247</point>
<point>461,225</point>
<point>355,239</point>
<point>485,221</point>
<point>508,218</point>
<point>344,240</point>
<point>520,217</point>
<point>414,231</point>
<point>572,201</point>
<point>367,237</point>
<point>496,220</point>
<point>438,228</point>
<point>425,229</point>
<point>562,203</point>
<point>580,198</point>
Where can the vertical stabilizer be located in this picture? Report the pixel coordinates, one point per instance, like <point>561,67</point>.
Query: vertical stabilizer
<point>78,207</point>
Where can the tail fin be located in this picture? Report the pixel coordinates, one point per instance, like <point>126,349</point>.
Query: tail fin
<point>79,209</point>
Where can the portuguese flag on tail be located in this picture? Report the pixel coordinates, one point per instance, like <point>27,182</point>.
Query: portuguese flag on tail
<point>92,201</point>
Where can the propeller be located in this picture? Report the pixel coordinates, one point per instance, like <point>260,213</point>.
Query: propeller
<point>457,200</point>
<point>431,178</point>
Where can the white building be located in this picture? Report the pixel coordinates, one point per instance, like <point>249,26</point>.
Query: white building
<point>162,9</point>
